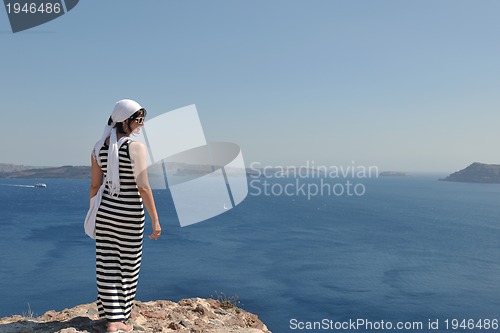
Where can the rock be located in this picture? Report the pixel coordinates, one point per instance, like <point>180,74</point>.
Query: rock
<point>193,315</point>
<point>236,321</point>
<point>216,322</point>
<point>221,312</point>
<point>50,314</point>
<point>185,323</point>
<point>174,326</point>
<point>200,309</point>
<point>138,328</point>
<point>213,303</point>
<point>186,302</point>
<point>155,314</point>
<point>92,312</point>
<point>68,330</point>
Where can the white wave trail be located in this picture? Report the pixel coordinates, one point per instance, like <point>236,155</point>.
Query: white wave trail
<point>17,185</point>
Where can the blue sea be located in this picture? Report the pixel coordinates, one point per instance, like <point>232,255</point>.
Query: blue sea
<point>409,249</point>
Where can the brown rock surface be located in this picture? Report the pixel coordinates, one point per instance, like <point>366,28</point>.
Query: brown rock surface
<point>194,315</point>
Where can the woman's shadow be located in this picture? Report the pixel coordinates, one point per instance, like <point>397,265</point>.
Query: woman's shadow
<point>79,323</point>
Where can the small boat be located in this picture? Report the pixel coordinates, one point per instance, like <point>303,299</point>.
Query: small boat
<point>40,185</point>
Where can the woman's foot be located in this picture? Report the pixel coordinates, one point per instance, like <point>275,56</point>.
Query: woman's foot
<point>119,327</point>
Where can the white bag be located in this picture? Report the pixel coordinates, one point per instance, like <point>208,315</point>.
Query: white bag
<point>95,202</point>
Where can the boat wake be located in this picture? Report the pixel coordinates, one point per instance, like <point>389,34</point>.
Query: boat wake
<point>17,185</point>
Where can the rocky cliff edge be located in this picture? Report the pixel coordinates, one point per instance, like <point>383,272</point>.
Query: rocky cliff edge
<point>193,315</point>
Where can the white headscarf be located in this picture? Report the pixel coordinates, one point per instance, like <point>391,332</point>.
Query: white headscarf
<point>123,110</point>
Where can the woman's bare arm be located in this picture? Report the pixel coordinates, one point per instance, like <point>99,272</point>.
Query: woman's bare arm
<point>138,156</point>
<point>97,175</point>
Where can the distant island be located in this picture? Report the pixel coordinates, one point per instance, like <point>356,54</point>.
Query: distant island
<point>85,172</point>
<point>476,173</point>
<point>21,171</point>
<point>393,174</point>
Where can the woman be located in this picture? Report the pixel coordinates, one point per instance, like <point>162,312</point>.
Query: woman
<point>121,164</point>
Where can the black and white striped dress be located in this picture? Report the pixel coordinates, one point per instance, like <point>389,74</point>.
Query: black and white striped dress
<point>119,232</point>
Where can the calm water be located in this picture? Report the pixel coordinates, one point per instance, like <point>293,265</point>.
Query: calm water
<point>409,249</point>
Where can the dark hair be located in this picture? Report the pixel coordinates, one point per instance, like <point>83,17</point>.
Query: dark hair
<point>119,126</point>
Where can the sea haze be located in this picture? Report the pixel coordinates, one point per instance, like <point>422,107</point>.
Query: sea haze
<point>408,249</point>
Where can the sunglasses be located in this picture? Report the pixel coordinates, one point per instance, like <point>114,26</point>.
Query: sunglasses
<point>140,120</point>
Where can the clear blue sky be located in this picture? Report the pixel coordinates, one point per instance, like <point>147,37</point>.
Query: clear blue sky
<point>403,85</point>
